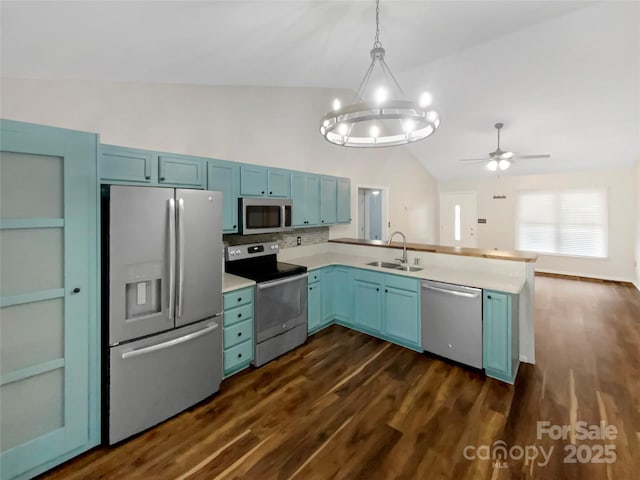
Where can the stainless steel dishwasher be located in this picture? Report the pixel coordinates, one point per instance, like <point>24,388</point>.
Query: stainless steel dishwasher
<point>452,322</point>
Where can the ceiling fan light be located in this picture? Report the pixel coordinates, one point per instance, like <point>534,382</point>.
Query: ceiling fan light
<point>409,126</point>
<point>374,131</point>
<point>343,129</point>
<point>503,164</point>
<point>337,105</point>
<point>381,95</point>
<point>492,165</point>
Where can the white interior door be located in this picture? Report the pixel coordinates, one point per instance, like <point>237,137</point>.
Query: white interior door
<point>458,217</point>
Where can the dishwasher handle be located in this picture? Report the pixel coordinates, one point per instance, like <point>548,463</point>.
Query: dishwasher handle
<point>453,292</point>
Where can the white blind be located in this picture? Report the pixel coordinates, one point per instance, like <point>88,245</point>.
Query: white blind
<point>567,222</point>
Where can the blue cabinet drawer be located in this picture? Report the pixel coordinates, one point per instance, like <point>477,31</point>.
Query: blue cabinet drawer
<point>368,276</point>
<point>238,314</point>
<point>404,283</point>
<point>238,355</point>
<point>315,275</point>
<point>238,297</point>
<point>238,333</point>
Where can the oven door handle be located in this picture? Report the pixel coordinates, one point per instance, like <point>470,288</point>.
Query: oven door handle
<point>275,283</point>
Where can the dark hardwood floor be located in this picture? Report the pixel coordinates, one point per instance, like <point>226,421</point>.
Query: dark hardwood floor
<point>348,406</point>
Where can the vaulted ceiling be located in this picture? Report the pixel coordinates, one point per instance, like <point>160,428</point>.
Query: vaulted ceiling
<point>564,76</point>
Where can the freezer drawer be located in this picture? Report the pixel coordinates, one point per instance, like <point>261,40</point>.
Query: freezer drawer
<point>155,378</point>
<point>452,322</point>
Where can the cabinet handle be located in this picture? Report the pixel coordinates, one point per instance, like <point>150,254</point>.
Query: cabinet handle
<point>310,288</point>
<point>148,177</point>
<point>377,289</point>
<point>239,355</point>
<point>239,315</point>
<point>263,192</point>
<point>76,290</point>
<point>270,193</point>
<point>489,297</point>
<point>235,226</point>
<point>322,221</point>
<point>239,299</point>
<point>386,291</point>
<point>162,179</point>
<point>239,334</point>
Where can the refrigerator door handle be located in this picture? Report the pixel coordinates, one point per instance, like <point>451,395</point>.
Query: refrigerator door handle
<point>170,343</point>
<point>172,256</point>
<point>180,256</point>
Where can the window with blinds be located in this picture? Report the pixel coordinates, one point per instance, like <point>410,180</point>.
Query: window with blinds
<point>565,222</point>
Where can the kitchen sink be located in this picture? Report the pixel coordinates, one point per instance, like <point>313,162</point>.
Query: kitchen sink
<point>395,266</point>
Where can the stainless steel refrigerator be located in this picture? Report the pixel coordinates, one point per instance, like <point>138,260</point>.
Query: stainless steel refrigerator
<point>162,304</point>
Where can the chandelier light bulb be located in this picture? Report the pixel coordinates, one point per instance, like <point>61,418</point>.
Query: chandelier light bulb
<point>336,104</point>
<point>409,126</point>
<point>503,164</point>
<point>343,129</point>
<point>374,131</point>
<point>492,165</point>
<point>381,95</point>
<point>432,116</point>
<point>425,99</point>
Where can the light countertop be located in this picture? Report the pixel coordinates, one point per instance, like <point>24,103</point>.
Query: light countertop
<point>233,282</point>
<point>513,255</point>
<point>478,279</point>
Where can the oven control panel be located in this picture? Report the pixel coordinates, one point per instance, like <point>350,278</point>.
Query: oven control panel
<point>241,252</point>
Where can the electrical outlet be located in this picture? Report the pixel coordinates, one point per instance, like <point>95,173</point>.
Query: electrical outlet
<point>299,240</point>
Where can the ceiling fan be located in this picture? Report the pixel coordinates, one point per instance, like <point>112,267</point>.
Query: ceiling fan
<point>501,158</point>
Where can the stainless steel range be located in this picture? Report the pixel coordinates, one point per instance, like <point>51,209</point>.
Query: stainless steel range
<point>280,300</point>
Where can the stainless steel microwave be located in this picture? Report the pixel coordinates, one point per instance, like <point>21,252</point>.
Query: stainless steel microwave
<point>264,215</point>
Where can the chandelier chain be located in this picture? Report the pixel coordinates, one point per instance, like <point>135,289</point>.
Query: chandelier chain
<point>376,43</point>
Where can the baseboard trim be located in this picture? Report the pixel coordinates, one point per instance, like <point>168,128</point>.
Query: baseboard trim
<point>584,278</point>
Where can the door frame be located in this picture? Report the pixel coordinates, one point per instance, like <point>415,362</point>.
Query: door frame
<point>384,208</point>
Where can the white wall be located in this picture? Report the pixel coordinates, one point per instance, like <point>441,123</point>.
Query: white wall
<point>499,231</point>
<point>637,257</point>
<point>267,126</point>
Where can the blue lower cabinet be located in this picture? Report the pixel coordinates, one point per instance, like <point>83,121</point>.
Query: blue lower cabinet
<point>402,316</point>
<point>368,305</point>
<point>342,295</point>
<point>314,306</point>
<point>500,335</point>
<point>238,330</point>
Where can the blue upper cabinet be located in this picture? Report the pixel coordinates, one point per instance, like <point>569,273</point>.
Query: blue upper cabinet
<point>500,338</point>
<point>256,181</point>
<point>305,196</point>
<point>225,177</point>
<point>180,170</point>
<point>127,165</point>
<point>328,200</point>
<point>253,181</point>
<point>132,166</point>
<point>279,183</point>
<point>344,200</point>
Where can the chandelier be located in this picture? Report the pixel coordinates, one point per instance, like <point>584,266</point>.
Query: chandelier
<point>374,118</point>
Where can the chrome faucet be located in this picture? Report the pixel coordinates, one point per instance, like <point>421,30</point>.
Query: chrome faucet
<point>404,258</point>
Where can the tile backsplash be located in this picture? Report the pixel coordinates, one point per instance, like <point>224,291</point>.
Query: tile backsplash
<point>309,236</point>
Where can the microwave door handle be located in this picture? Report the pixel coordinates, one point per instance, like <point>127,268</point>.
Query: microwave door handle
<point>172,257</point>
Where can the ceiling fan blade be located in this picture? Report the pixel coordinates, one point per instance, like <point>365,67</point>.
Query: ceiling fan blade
<point>474,160</point>
<point>542,155</point>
